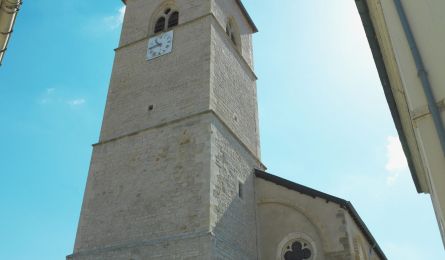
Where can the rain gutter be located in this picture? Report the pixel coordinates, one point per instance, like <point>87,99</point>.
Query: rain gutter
<point>8,13</point>
<point>376,50</point>
<point>422,74</point>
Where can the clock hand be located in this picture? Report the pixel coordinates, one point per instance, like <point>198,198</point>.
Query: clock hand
<point>157,42</point>
<point>155,46</point>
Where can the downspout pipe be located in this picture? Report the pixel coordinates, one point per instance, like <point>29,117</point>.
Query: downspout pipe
<point>422,74</point>
<point>8,13</point>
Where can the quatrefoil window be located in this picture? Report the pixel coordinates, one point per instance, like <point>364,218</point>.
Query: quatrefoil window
<point>297,249</point>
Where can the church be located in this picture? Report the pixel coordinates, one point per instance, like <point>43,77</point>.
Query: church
<point>177,172</point>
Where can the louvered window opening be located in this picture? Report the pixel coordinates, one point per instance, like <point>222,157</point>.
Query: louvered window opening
<point>160,25</point>
<point>168,20</point>
<point>173,20</point>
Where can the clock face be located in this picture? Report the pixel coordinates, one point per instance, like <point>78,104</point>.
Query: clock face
<point>160,45</point>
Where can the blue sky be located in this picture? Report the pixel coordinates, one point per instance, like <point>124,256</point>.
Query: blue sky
<point>323,117</point>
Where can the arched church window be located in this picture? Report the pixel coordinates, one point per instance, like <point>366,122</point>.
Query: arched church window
<point>167,20</point>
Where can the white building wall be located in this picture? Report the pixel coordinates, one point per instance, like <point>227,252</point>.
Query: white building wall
<point>427,23</point>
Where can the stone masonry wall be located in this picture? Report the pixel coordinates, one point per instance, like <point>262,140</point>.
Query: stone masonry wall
<point>232,218</point>
<point>183,248</point>
<point>164,182</point>
<point>362,249</point>
<point>152,186</point>
<point>233,90</point>
<point>225,9</point>
<point>325,222</point>
<point>176,84</point>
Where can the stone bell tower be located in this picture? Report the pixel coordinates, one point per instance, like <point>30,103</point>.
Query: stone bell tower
<point>172,174</point>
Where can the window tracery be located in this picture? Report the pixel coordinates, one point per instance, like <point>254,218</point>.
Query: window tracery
<point>297,246</point>
<point>297,250</point>
<point>167,20</point>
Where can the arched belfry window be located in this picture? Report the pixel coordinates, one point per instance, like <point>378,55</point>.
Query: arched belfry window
<point>167,20</point>
<point>160,25</point>
<point>173,19</point>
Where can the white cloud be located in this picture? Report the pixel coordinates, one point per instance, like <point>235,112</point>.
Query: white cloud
<point>47,97</point>
<point>50,96</point>
<point>76,102</point>
<point>114,21</point>
<point>396,163</point>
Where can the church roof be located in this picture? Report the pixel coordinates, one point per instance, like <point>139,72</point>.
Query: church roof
<point>243,9</point>
<point>329,198</point>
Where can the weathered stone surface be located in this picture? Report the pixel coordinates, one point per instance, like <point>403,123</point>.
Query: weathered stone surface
<point>232,218</point>
<point>172,176</point>
<point>282,212</point>
<point>144,187</point>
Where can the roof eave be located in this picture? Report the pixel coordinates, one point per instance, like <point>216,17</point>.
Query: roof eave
<point>8,14</point>
<point>246,14</point>
<point>374,44</point>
